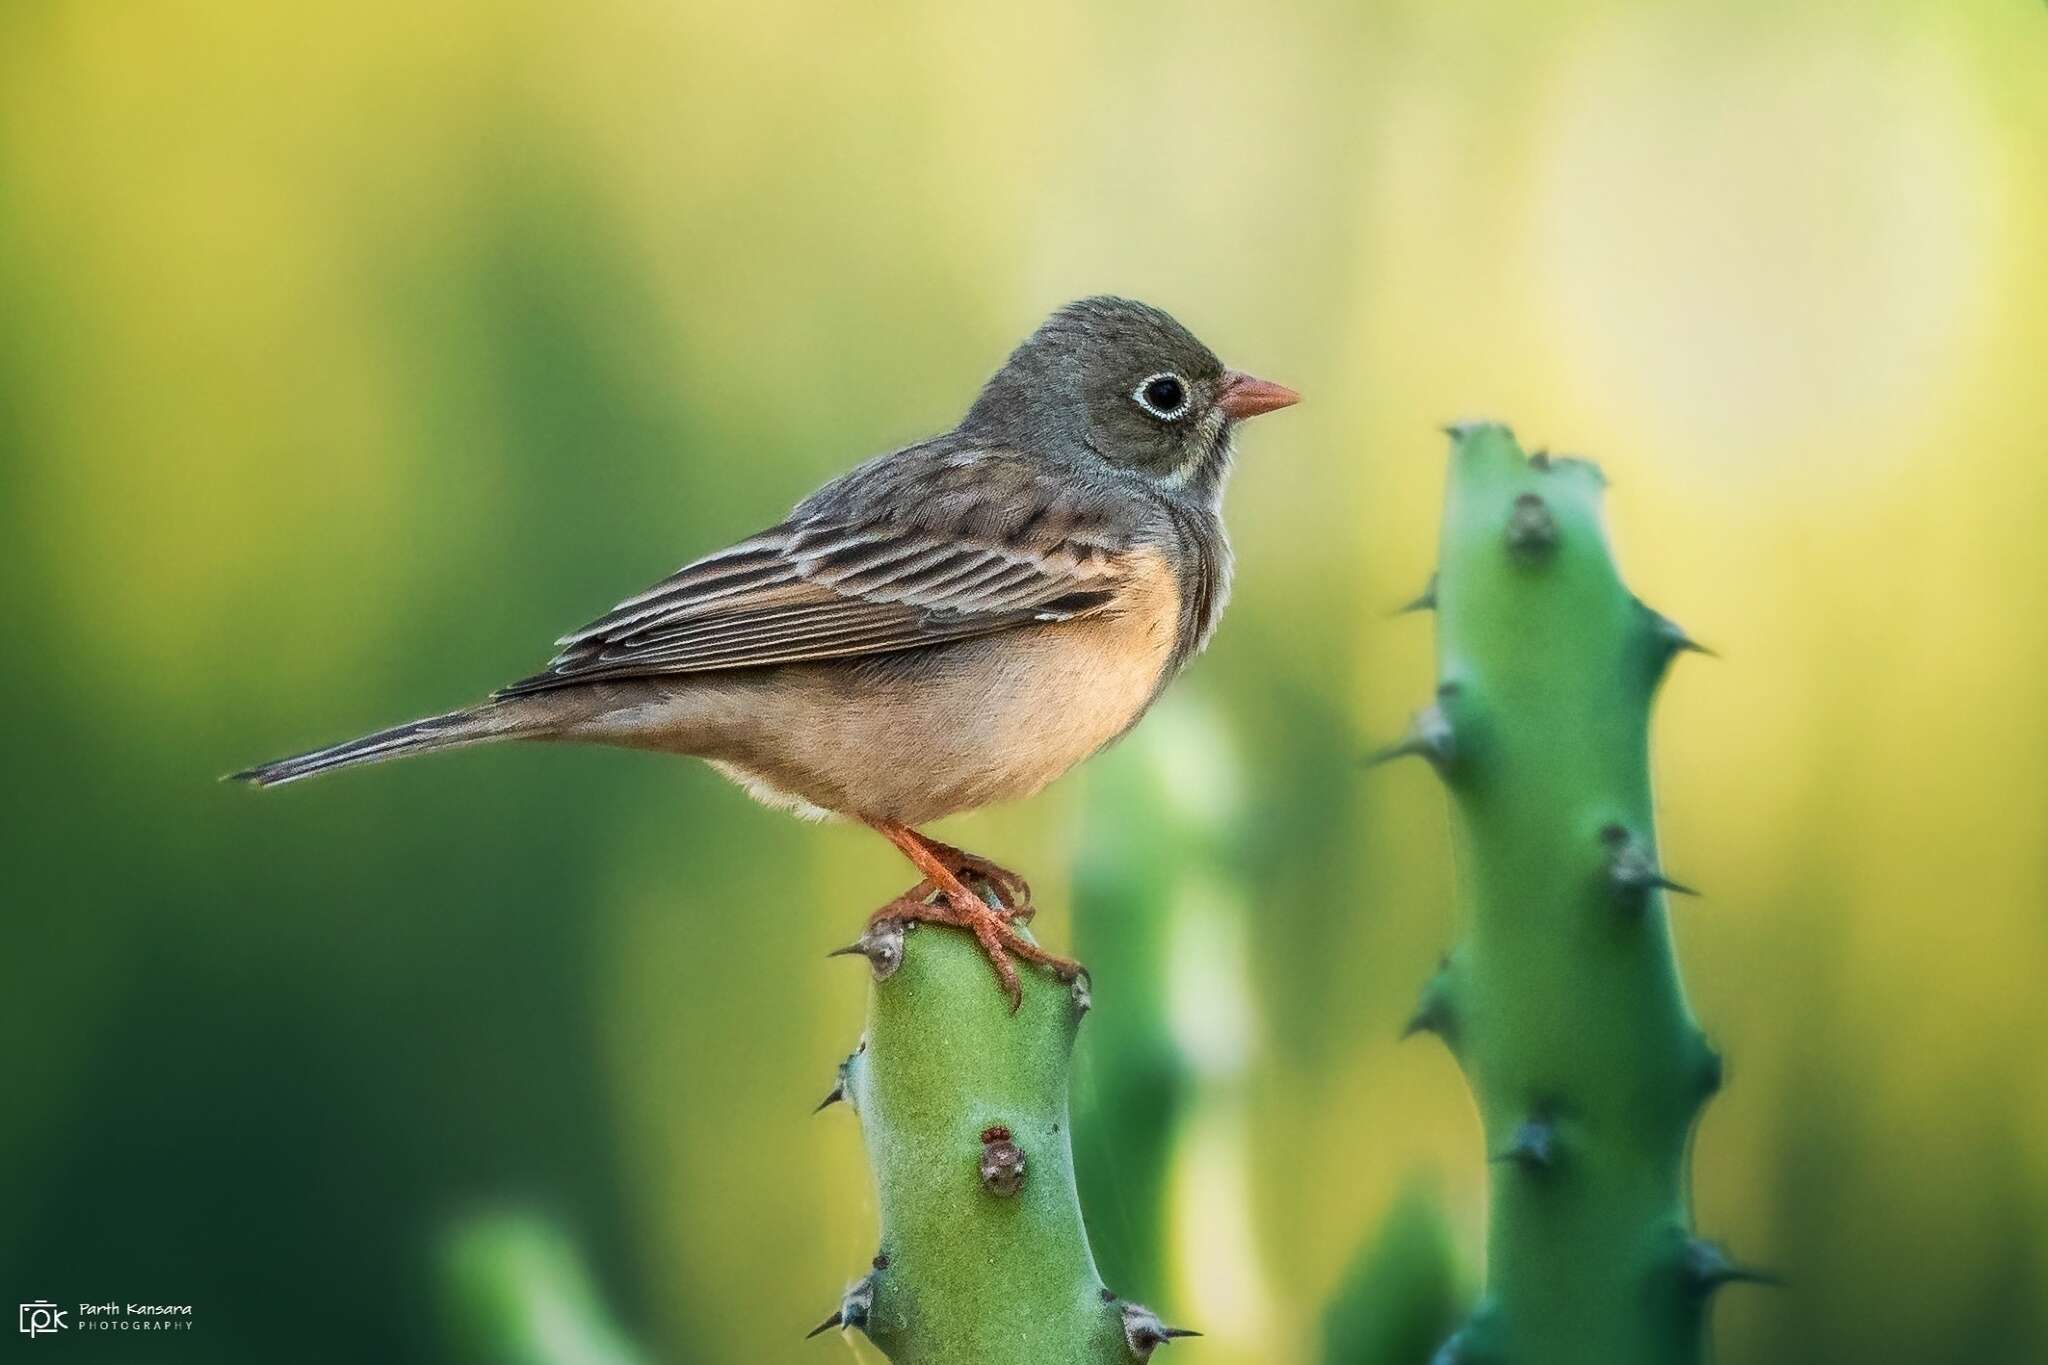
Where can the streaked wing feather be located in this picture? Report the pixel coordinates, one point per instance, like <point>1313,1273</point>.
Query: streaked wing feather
<point>749,566</point>
<point>821,590</point>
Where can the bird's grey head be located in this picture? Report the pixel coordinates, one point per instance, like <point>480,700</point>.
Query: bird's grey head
<point>1122,382</point>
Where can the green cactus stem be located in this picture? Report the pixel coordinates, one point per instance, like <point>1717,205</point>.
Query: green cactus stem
<point>1562,1002</point>
<point>984,1258</point>
<point>515,1291</point>
<point>1155,853</point>
<point>1404,1290</point>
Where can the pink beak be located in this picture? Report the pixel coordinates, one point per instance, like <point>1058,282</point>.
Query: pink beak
<point>1244,396</point>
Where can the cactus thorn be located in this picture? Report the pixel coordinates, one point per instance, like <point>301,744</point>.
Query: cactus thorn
<point>1649,876</point>
<point>1144,1333</point>
<point>842,1085</point>
<point>1472,426</point>
<point>1084,996</point>
<point>1429,736</point>
<point>881,944</point>
<point>1712,1070</point>
<point>1531,530</point>
<point>1675,636</point>
<point>1002,1163</point>
<point>1707,1268</point>
<point>1593,470</point>
<point>1425,1020</point>
<point>1423,601</point>
<point>854,1308</point>
<point>1533,1147</point>
<point>1539,460</point>
<point>1433,1011</point>
<point>1632,871</point>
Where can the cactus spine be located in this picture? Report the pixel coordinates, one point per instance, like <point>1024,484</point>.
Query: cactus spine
<point>984,1258</point>
<point>1562,1003</point>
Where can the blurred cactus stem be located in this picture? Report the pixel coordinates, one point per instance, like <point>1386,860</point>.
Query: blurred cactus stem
<point>1562,1003</point>
<point>1156,853</point>
<point>516,1292</point>
<point>984,1258</point>
<point>1404,1291</point>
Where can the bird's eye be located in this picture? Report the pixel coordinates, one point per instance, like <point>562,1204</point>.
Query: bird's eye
<point>1163,395</point>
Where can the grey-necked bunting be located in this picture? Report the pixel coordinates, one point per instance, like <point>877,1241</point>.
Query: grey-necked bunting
<point>948,625</point>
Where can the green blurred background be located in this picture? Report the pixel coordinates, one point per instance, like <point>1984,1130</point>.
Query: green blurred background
<point>348,353</point>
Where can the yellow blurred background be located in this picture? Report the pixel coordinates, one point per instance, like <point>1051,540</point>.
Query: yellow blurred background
<point>349,353</point>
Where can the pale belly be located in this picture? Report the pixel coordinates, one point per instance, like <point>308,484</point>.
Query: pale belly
<point>994,720</point>
<point>913,738</point>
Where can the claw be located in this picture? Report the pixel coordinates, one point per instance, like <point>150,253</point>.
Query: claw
<point>944,898</point>
<point>993,947</point>
<point>993,930</point>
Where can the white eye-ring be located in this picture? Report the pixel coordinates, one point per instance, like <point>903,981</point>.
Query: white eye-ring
<point>1164,395</point>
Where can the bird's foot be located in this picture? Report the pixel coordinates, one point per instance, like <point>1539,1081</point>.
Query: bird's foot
<point>1011,890</point>
<point>944,898</point>
<point>992,928</point>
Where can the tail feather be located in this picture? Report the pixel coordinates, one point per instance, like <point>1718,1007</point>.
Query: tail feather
<point>452,730</point>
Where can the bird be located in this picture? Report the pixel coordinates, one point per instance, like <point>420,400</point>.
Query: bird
<point>949,625</point>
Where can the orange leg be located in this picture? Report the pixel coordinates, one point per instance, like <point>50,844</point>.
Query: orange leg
<point>941,865</point>
<point>1012,890</point>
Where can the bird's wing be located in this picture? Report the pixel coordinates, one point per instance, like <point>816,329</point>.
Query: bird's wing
<point>820,588</point>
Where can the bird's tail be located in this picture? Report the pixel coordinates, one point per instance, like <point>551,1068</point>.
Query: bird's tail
<point>474,725</point>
